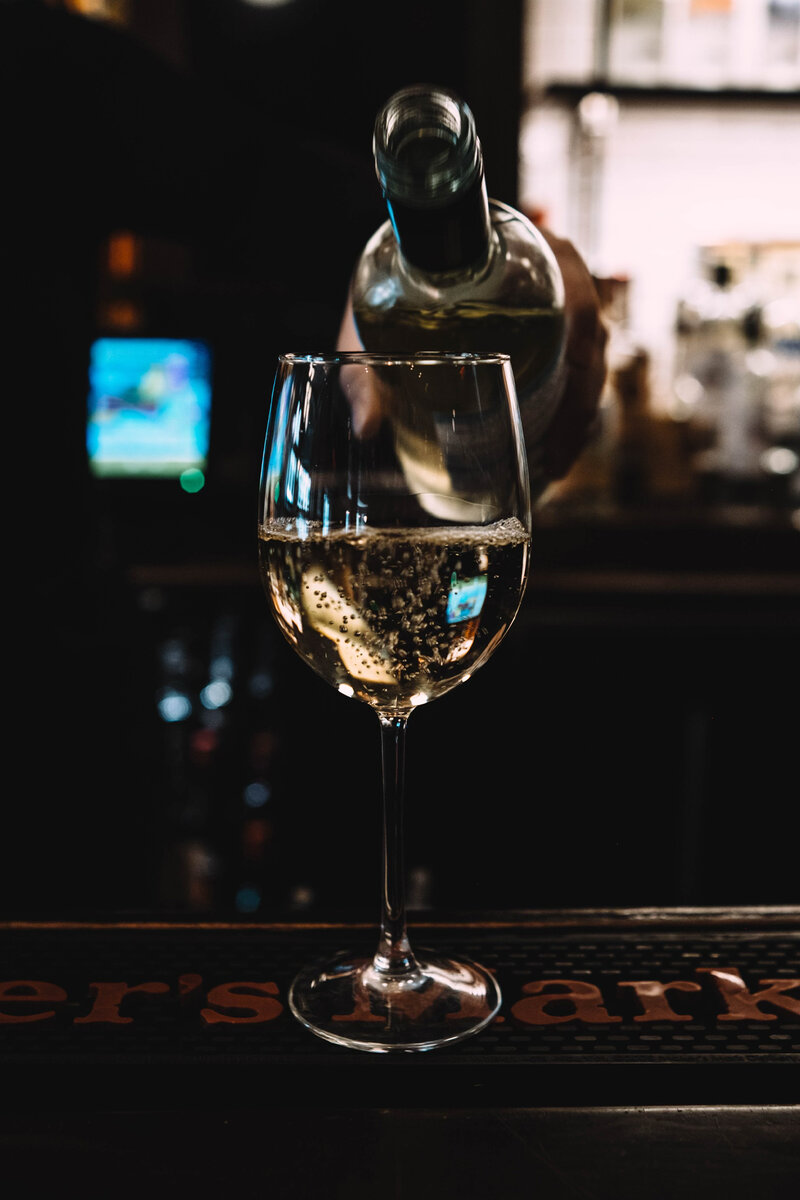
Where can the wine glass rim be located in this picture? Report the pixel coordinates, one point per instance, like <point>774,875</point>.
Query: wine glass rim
<point>419,358</point>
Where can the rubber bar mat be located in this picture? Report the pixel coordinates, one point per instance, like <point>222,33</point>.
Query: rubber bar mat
<point>596,1009</point>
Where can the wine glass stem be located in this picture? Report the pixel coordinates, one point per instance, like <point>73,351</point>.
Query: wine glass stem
<point>394,956</point>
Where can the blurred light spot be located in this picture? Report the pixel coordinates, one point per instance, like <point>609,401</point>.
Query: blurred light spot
<point>346,690</point>
<point>780,460</point>
<point>202,744</point>
<point>200,860</point>
<point>123,254</point>
<point>216,694</point>
<point>204,741</point>
<point>248,899</point>
<point>688,395</point>
<point>760,362</point>
<point>221,666</point>
<point>192,480</point>
<point>256,837</point>
<point>121,314</point>
<point>102,10</point>
<point>173,655</point>
<point>302,896</point>
<point>464,678</point>
<point>173,705</point>
<point>257,794</point>
<point>598,114</point>
<point>262,684</point>
<point>419,698</point>
<point>419,888</point>
<point>200,867</point>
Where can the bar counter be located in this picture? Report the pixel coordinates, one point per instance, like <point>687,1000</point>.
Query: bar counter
<point>655,1049</point>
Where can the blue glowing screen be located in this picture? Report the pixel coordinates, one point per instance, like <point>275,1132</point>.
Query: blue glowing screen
<point>465,599</point>
<point>149,411</point>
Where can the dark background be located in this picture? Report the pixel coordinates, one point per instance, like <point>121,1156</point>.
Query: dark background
<point>633,743</point>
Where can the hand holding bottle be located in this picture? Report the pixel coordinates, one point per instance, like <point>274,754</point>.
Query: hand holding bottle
<point>453,270</point>
<point>585,365</point>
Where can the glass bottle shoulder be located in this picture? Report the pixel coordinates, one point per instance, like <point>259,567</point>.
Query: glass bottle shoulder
<point>518,271</point>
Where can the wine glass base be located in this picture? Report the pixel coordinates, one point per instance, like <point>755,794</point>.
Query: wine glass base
<point>347,1001</point>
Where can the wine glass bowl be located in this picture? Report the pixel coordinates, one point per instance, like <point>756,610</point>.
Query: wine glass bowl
<point>394,539</point>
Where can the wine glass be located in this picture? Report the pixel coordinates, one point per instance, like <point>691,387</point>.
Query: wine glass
<point>393,541</point>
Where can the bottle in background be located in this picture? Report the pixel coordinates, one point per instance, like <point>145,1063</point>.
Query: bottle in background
<point>451,269</point>
<point>715,390</point>
<point>776,362</point>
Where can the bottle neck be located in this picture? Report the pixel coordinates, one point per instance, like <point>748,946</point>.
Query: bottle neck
<point>429,163</point>
<point>453,237</point>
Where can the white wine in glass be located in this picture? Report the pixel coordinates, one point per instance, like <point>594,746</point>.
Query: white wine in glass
<point>394,541</point>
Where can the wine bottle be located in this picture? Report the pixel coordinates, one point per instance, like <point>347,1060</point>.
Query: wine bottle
<point>451,269</point>
<point>716,389</point>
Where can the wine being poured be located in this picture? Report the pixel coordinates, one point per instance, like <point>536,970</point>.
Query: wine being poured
<point>394,578</point>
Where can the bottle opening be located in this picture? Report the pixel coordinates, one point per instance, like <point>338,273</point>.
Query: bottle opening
<point>425,152</point>
<point>425,145</point>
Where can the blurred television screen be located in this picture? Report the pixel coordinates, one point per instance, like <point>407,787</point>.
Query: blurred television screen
<point>149,407</point>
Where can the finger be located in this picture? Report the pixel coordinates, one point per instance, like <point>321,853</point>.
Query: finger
<point>585,330</point>
<point>586,339</point>
<point>361,388</point>
<point>358,383</point>
<point>348,338</point>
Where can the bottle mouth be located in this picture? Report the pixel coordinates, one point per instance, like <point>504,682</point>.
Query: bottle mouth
<point>425,146</point>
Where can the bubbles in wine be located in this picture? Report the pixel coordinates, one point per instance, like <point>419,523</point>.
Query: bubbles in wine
<point>394,617</point>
